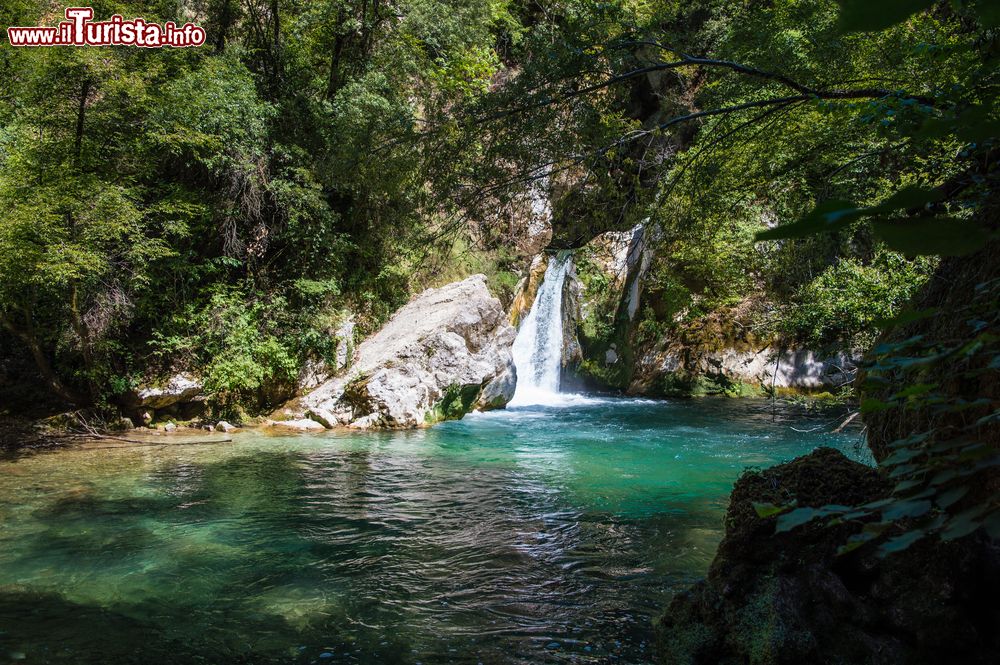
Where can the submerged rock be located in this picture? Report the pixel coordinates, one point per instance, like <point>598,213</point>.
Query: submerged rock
<point>775,598</point>
<point>446,352</point>
<point>297,425</point>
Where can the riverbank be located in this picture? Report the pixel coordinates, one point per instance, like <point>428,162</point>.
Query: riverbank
<point>19,434</point>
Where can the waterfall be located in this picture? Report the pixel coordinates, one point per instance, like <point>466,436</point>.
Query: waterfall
<point>538,347</point>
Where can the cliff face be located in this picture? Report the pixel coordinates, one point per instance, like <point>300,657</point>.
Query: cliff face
<point>609,345</point>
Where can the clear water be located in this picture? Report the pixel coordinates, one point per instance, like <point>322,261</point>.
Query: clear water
<point>538,535</point>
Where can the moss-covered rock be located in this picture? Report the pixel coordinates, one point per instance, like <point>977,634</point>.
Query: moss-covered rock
<point>455,403</point>
<point>776,598</point>
<point>687,384</point>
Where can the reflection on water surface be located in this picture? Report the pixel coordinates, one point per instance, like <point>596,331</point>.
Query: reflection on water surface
<point>535,535</point>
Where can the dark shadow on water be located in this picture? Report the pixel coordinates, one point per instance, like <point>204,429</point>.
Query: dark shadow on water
<point>48,628</point>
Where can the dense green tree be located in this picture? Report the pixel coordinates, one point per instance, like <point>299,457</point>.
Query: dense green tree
<point>280,168</point>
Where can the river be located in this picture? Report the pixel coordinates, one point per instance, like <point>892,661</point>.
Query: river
<point>536,534</point>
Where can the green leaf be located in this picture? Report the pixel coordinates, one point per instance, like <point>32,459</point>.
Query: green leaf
<point>904,509</point>
<point>940,236</point>
<point>904,317</point>
<point>855,541</point>
<point>916,390</point>
<point>902,455</point>
<point>867,16</point>
<point>992,525</point>
<point>964,523</point>
<point>826,217</point>
<point>797,517</point>
<point>989,418</point>
<point>900,543</point>
<point>907,198</point>
<point>907,485</point>
<point>949,497</point>
<point>892,347</point>
<point>872,405</point>
<point>765,510</point>
<point>973,125</point>
<point>945,476</point>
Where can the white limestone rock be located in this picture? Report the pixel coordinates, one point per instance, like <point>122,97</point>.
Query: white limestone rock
<point>444,353</point>
<point>179,388</point>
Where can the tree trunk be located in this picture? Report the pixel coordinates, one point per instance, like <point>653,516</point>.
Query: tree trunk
<point>80,118</point>
<point>226,19</point>
<point>52,381</point>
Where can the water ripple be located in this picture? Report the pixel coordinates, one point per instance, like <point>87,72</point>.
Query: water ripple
<point>536,535</point>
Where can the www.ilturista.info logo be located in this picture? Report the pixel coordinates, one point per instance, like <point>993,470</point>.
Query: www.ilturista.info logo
<point>79,30</point>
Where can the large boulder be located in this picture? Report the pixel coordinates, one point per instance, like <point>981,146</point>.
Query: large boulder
<point>788,598</point>
<point>177,389</point>
<point>443,354</point>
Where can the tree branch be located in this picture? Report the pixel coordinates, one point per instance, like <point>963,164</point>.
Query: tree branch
<point>692,61</point>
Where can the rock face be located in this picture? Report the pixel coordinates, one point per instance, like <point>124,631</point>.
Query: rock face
<point>537,220</point>
<point>182,396</point>
<point>789,598</point>
<point>443,354</point>
<point>572,314</point>
<point>179,388</point>
<point>315,371</point>
<point>686,371</point>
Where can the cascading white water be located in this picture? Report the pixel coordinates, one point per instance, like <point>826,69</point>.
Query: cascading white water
<point>538,347</point>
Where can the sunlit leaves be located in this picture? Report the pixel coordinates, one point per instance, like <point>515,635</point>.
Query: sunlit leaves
<point>765,510</point>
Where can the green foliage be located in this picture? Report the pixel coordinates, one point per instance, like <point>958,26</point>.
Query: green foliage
<point>218,208</point>
<point>847,301</point>
<point>455,403</point>
<point>241,347</point>
<point>948,456</point>
<point>212,115</point>
<point>942,467</point>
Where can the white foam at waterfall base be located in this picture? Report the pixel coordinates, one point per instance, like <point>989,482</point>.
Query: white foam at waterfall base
<point>538,347</point>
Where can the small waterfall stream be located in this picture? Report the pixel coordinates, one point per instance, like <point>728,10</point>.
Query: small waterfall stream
<point>538,347</point>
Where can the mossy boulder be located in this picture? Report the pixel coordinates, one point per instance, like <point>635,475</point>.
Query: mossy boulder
<point>788,598</point>
<point>456,402</point>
